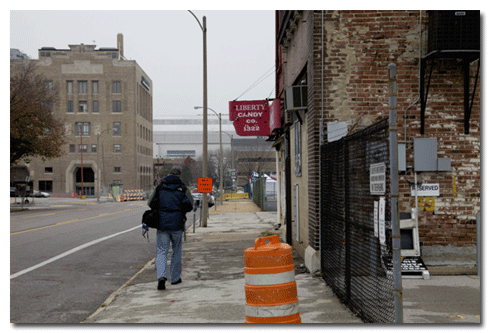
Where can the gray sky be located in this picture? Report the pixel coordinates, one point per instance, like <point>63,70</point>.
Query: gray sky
<point>167,44</point>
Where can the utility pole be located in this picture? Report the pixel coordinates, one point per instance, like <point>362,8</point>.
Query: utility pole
<point>395,221</point>
<point>205,123</point>
<point>204,208</point>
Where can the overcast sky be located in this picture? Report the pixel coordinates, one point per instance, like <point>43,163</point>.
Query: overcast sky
<point>168,46</point>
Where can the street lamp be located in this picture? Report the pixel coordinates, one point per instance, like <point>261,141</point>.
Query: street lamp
<point>220,153</point>
<point>232,160</point>
<point>205,114</point>
<point>98,155</point>
<point>81,157</point>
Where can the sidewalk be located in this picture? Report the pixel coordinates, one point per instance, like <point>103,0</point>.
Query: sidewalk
<point>213,284</point>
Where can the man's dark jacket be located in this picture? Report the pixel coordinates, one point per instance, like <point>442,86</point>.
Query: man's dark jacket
<point>173,200</point>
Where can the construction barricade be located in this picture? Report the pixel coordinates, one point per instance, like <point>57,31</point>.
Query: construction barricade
<point>270,286</point>
<point>130,195</point>
<point>232,196</point>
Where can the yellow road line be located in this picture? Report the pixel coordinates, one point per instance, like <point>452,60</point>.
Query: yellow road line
<point>39,215</point>
<point>71,221</point>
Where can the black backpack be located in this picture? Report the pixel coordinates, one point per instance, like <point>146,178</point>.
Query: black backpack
<point>151,218</point>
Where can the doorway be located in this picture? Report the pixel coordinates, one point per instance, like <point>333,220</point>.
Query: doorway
<point>88,181</point>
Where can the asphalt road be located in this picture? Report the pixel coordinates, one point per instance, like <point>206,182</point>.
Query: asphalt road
<point>67,258</point>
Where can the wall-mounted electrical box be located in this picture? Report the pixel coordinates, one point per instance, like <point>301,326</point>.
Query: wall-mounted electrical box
<point>402,157</point>
<point>425,156</point>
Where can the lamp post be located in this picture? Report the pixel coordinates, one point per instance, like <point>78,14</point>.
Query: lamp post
<point>205,114</point>
<point>81,158</point>
<point>98,155</point>
<point>220,154</point>
<point>232,160</point>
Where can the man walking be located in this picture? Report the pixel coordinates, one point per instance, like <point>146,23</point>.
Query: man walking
<point>173,200</point>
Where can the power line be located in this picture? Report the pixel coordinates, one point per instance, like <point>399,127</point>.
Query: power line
<point>259,80</point>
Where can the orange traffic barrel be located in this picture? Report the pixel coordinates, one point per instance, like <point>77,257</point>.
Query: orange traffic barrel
<point>270,287</point>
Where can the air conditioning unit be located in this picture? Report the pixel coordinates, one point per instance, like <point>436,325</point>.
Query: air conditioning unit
<point>296,98</point>
<point>454,30</point>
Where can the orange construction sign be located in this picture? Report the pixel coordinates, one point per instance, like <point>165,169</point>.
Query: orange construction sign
<point>204,185</point>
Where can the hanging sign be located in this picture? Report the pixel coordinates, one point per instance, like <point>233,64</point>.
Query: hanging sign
<point>375,218</point>
<point>275,115</point>
<point>381,221</point>
<point>250,118</point>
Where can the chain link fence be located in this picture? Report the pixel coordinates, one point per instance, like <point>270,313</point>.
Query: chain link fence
<point>353,256</point>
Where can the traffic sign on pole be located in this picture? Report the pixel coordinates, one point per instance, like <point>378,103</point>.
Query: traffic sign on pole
<point>204,185</point>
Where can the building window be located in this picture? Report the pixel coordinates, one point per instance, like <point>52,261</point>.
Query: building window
<point>116,106</point>
<point>48,170</point>
<point>69,87</point>
<point>72,148</point>
<point>82,106</point>
<point>82,87</point>
<point>117,148</point>
<point>96,106</point>
<point>117,169</point>
<point>297,148</point>
<point>46,185</point>
<point>94,148</point>
<point>83,128</point>
<point>116,128</point>
<point>116,87</point>
<point>82,148</point>
<point>95,87</point>
<point>69,107</point>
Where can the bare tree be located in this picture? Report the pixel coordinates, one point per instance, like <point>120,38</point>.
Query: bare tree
<point>34,131</point>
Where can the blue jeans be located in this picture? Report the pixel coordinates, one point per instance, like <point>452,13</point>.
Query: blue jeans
<point>163,246</point>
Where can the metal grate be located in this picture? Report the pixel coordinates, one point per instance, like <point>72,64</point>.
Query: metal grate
<point>352,258</point>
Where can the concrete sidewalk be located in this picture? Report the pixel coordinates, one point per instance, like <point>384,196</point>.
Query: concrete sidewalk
<point>213,284</point>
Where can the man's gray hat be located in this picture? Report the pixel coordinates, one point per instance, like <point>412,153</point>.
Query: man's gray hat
<point>175,171</point>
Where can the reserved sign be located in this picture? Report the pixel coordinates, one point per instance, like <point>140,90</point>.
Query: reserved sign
<point>426,190</point>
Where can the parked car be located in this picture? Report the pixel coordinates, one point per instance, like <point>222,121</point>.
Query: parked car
<point>12,191</point>
<point>197,198</point>
<point>39,194</point>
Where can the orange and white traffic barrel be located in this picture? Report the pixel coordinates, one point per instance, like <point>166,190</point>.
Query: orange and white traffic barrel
<point>270,287</point>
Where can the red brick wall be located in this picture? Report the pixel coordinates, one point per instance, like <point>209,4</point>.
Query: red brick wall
<point>359,45</point>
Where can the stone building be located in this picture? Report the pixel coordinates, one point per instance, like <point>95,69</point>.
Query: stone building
<point>106,105</point>
<point>340,58</point>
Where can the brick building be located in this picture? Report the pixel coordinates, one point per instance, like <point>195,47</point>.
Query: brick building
<point>341,59</point>
<point>105,103</point>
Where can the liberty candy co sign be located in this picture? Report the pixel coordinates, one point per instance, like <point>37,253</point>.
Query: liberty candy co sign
<point>426,190</point>
<point>250,118</point>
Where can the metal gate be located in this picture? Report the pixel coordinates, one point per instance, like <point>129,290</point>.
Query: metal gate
<point>353,259</point>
